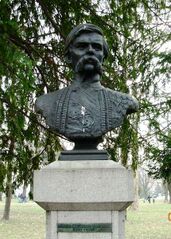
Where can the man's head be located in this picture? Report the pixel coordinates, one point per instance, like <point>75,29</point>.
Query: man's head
<point>86,49</point>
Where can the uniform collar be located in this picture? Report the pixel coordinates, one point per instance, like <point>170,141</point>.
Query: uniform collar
<point>95,85</point>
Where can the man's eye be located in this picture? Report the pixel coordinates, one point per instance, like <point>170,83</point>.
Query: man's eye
<point>97,47</point>
<point>81,46</point>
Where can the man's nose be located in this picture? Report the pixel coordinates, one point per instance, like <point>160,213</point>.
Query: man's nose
<point>90,49</point>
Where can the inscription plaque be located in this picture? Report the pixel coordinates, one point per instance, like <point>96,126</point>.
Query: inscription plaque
<point>93,227</point>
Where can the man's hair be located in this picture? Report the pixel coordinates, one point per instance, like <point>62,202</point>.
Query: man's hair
<point>77,31</point>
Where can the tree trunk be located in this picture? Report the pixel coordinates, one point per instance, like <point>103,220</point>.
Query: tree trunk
<point>169,189</point>
<point>24,190</point>
<point>135,204</point>
<point>8,198</point>
<point>0,196</point>
<point>8,190</point>
<point>165,187</point>
<point>31,191</point>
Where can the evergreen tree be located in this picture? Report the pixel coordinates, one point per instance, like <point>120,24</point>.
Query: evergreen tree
<point>32,36</point>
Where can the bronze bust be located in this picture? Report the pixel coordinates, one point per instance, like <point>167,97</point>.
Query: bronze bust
<point>85,111</point>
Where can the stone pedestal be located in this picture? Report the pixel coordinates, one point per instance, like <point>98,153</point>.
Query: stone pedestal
<point>84,199</point>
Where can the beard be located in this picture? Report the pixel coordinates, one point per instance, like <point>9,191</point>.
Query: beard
<point>89,65</point>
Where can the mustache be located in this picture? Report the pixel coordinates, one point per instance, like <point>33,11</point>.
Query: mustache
<point>89,59</point>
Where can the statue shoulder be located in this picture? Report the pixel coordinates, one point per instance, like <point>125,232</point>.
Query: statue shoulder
<point>123,100</point>
<point>46,102</point>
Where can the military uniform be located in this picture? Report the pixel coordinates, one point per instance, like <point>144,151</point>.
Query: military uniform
<point>77,112</point>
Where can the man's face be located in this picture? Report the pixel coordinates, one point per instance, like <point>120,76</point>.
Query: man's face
<point>87,49</point>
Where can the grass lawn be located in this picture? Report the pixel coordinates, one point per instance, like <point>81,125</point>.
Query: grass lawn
<point>28,222</point>
<point>149,222</point>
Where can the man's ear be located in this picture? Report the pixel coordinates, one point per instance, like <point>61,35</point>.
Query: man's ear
<point>67,57</point>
